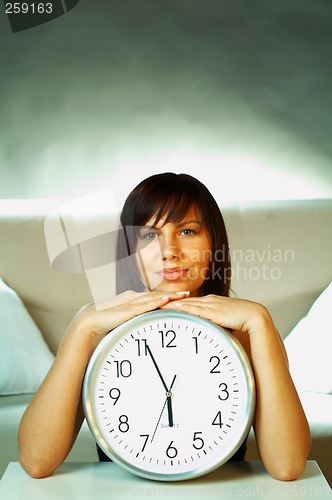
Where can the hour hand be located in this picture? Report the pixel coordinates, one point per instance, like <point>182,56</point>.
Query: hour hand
<point>169,403</point>
<point>170,412</point>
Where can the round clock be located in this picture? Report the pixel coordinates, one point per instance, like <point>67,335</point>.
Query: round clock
<point>169,395</point>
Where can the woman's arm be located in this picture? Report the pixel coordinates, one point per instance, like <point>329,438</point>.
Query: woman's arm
<point>281,428</point>
<point>53,419</point>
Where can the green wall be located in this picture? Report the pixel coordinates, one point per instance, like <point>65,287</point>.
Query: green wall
<point>235,92</point>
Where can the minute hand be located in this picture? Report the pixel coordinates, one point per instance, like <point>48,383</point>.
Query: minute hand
<point>168,392</point>
<point>157,368</point>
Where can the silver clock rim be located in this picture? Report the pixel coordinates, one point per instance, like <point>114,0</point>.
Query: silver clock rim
<point>96,360</point>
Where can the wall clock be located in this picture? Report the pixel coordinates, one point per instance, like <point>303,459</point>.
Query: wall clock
<point>169,395</point>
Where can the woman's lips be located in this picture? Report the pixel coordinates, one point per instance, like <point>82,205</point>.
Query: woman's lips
<point>173,273</point>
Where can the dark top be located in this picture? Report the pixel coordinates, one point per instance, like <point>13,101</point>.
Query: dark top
<point>237,457</point>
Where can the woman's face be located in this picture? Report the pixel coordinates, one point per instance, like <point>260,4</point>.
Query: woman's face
<point>174,256</point>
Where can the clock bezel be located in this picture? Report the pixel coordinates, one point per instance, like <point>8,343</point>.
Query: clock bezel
<point>98,358</point>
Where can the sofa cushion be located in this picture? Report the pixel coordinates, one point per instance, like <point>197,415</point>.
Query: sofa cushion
<point>309,347</point>
<point>24,356</point>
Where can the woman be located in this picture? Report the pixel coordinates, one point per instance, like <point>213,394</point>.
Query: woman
<point>169,256</point>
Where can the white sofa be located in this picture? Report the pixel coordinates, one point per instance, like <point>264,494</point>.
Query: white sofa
<point>281,257</point>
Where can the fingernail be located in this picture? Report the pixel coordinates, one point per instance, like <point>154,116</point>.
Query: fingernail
<point>185,292</point>
<point>178,304</point>
<point>165,297</point>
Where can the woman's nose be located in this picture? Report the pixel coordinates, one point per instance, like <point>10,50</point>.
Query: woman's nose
<point>169,249</point>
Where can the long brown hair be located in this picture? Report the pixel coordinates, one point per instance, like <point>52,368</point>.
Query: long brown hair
<point>171,196</point>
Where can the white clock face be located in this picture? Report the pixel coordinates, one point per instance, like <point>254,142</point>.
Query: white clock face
<point>169,395</point>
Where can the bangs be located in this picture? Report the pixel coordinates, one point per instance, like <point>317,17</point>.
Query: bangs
<point>172,201</point>
<point>174,209</point>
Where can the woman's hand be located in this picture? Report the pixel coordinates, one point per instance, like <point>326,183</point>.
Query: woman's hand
<point>281,428</point>
<point>98,319</point>
<point>235,314</point>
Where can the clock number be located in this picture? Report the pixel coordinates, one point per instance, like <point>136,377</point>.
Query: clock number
<point>116,395</point>
<point>123,368</point>
<point>216,365</point>
<point>171,451</point>
<point>146,436</point>
<point>139,348</point>
<point>217,420</point>
<point>225,391</point>
<point>198,442</point>
<point>196,344</point>
<point>123,425</point>
<point>170,342</point>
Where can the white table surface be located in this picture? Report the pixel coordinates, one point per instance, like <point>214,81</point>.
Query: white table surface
<point>99,481</point>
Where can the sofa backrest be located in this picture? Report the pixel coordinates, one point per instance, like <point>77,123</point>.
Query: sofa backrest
<point>281,256</point>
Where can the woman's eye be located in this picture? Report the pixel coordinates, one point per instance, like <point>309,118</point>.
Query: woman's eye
<point>188,232</point>
<point>148,235</point>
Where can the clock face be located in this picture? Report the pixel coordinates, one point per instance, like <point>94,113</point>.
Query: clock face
<point>169,395</point>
